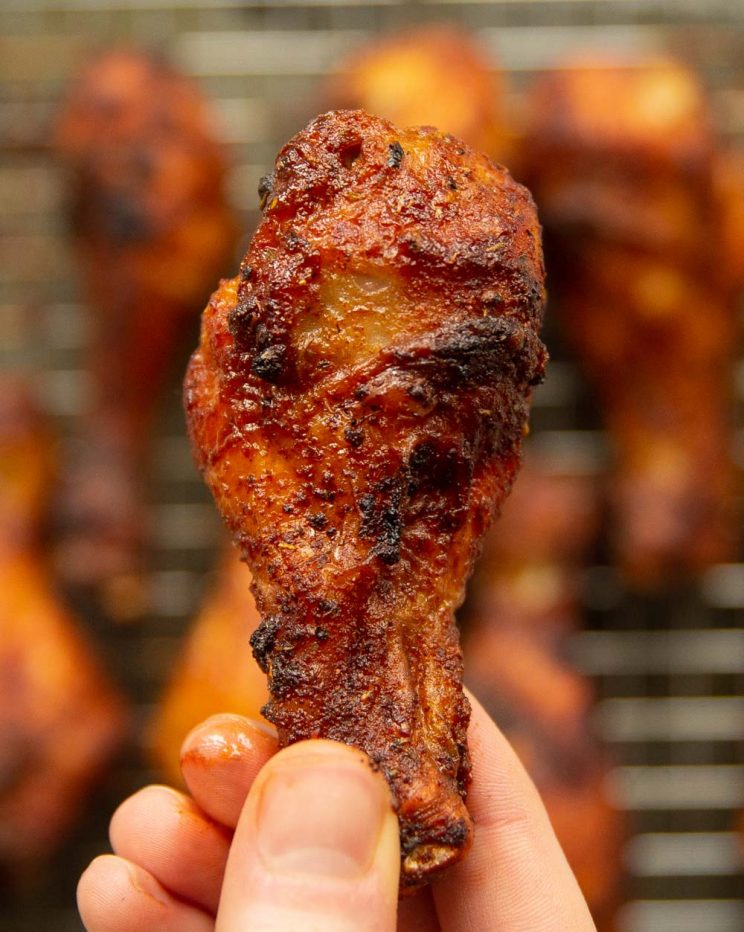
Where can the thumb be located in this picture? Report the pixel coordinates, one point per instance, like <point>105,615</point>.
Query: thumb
<point>316,847</point>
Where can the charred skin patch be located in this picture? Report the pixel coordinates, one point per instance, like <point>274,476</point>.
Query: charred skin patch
<point>263,640</point>
<point>357,405</point>
<point>270,363</point>
<point>476,352</point>
<point>396,155</point>
<point>382,520</point>
<point>265,187</point>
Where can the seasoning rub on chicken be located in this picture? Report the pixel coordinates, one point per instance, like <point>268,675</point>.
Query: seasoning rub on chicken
<point>357,405</point>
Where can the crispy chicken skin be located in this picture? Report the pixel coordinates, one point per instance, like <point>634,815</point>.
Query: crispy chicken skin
<point>153,230</point>
<point>357,405</point>
<point>621,162</point>
<point>429,76</point>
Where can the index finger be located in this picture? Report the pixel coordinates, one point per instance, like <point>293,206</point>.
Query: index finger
<point>220,759</point>
<point>516,875</point>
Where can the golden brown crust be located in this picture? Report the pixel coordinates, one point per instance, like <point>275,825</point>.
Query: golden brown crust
<point>357,405</point>
<point>523,601</point>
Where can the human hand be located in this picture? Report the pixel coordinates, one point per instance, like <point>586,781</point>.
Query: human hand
<point>306,839</point>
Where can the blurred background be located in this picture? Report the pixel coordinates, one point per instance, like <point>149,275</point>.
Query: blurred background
<point>604,624</point>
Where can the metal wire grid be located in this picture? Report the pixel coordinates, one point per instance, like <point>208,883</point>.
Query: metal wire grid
<point>669,671</point>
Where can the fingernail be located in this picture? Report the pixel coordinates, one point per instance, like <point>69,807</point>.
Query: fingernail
<point>226,736</point>
<point>320,816</point>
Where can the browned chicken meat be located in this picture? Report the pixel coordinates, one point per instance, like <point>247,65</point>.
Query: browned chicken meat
<point>523,603</point>
<point>429,76</point>
<point>357,405</point>
<point>60,718</point>
<point>215,672</point>
<point>153,230</point>
<point>621,162</point>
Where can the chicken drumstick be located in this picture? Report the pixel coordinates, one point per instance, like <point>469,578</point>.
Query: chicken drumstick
<point>357,405</point>
<point>153,228</point>
<point>61,719</point>
<point>523,602</point>
<point>432,75</point>
<point>621,161</point>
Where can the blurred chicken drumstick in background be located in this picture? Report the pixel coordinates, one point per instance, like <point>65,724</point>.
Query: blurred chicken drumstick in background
<point>60,720</point>
<point>621,163</point>
<point>153,231</point>
<point>215,672</point>
<point>522,605</point>
<point>430,76</point>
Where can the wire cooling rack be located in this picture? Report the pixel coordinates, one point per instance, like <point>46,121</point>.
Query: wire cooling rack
<point>669,671</point>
